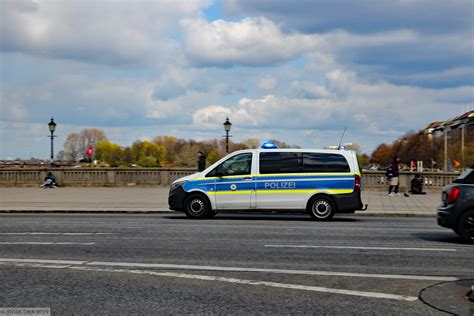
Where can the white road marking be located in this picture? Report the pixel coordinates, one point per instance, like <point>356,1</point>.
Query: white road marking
<point>45,243</point>
<point>365,248</point>
<point>258,283</point>
<point>41,261</point>
<point>233,269</point>
<point>58,234</point>
<point>365,229</point>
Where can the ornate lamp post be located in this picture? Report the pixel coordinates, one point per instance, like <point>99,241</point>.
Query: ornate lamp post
<point>52,128</point>
<point>227,126</point>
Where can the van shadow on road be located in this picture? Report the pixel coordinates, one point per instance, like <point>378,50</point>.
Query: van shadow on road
<point>269,217</point>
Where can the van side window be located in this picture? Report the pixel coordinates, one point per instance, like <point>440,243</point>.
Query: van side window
<point>234,166</point>
<point>280,162</point>
<point>319,162</point>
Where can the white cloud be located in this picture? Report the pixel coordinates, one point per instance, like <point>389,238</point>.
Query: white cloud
<point>211,116</point>
<point>252,41</point>
<point>104,32</point>
<point>370,108</point>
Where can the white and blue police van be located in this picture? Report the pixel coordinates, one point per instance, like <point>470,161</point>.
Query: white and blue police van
<point>321,182</point>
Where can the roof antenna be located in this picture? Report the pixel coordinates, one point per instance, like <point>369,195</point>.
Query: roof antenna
<point>340,142</point>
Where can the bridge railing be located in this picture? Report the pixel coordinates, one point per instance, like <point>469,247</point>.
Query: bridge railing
<point>92,176</point>
<point>164,176</point>
<point>431,180</point>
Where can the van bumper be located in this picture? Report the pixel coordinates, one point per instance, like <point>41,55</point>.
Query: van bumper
<point>348,203</point>
<point>176,199</point>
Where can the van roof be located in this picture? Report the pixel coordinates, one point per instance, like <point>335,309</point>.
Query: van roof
<point>325,151</point>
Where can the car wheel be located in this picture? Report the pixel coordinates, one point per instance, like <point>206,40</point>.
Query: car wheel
<point>321,209</point>
<point>465,227</point>
<point>197,206</point>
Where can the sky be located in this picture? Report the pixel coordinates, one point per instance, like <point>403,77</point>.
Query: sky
<point>294,70</point>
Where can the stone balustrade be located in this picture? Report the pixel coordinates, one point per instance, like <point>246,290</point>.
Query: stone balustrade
<point>431,180</point>
<point>164,177</point>
<point>92,176</point>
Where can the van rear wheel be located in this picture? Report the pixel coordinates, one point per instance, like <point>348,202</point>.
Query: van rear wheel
<point>321,209</point>
<point>197,206</point>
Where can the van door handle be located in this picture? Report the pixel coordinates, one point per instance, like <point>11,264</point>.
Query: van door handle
<point>247,178</point>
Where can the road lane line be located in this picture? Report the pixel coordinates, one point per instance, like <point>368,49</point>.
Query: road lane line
<point>42,261</point>
<point>233,269</point>
<point>55,234</point>
<point>45,243</point>
<point>365,248</point>
<point>257,283</point>
<point>278,271</point>
<point>364,229</point>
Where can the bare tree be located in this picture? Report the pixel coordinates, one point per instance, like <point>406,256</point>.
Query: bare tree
<point>76,144</point>
<point>89,137</point>
<point>71,147</point>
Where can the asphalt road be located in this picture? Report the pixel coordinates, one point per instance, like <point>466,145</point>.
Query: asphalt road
<point>94,264</point>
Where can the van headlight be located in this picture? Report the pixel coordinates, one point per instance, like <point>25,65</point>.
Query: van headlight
<point>176,185</point>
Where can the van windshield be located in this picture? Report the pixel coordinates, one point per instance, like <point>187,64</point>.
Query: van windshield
<point>237,165</point>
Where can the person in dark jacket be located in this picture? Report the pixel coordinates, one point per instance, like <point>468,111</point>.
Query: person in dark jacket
<point>201,161</point>
<point>416,185</point>
<point>394,182</point>
<point>49,181</point>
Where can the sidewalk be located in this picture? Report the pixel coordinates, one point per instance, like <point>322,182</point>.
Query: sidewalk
<point>155,199</point>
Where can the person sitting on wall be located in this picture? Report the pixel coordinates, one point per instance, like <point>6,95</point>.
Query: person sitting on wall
<point>416,185</point>
<point>49,181</point>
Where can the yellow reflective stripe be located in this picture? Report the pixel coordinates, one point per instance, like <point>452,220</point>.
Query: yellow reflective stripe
<point>231,192</point>
<point>284,191</point>
<point>225,177</point>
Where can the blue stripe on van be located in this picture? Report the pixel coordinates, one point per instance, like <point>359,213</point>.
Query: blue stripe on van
<point>274,182</point>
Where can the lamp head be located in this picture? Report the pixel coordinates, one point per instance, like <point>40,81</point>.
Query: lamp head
<point>52,125</point>
<point>227,125</point>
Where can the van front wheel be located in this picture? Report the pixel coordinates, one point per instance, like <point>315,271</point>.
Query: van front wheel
<point>197,206</point>
<point>321,209</point>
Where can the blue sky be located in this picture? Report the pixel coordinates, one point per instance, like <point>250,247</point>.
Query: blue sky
<point>298,71</point>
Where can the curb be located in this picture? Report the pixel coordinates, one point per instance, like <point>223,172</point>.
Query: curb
<point>100,211</point>
<point>166,211</point>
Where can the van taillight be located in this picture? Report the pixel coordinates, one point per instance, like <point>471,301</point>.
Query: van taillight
<point>357,182</point>
<point>453,194</point>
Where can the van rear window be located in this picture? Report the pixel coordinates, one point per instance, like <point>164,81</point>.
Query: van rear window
<point>297,162</point>
<point>316,162</point>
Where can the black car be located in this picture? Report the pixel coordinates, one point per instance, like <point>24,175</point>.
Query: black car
<point>457,206</point>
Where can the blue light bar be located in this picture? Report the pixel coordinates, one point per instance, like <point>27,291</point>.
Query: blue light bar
<point>269,145</point>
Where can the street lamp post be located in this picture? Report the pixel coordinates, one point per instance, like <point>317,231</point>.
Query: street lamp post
<point>52,128</point>
<point>227,126</point>
<point>463,130</point>
<point>446,130</point>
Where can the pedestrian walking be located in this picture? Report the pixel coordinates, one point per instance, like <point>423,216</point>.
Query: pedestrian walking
<point>201,161</point>
<point>393,173</point>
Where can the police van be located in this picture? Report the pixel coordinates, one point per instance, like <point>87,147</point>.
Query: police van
<point>321,182</point>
